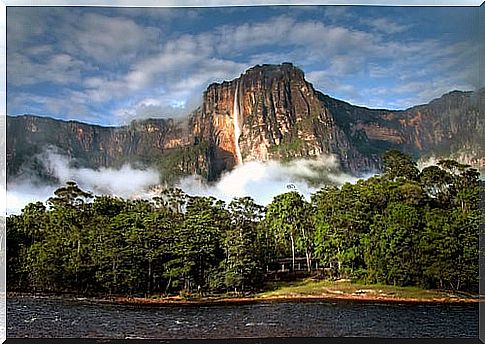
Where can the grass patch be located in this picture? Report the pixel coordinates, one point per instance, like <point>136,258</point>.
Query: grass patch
<point>310,287</point>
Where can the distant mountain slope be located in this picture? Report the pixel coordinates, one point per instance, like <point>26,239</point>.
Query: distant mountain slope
<point>450,126</point>
<point>269,112</point>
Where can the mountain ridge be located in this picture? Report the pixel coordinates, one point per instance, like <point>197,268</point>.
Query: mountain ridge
<point>185,118</point>
<point>279,115</point>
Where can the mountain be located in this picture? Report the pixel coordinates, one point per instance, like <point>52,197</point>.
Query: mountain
<point>269,112</point>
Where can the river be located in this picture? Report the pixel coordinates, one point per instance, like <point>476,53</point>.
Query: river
<point>29,316</point>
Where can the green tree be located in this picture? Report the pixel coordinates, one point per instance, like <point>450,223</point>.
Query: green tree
<point>17,246</point>
<point>69,217</point>
<point>395,236</point>
<point>197,249</point>
<point>287,217</point>
<point>242,266</point>
<point>397,164</point>
<point>341,219</point>
<point>436,182</point>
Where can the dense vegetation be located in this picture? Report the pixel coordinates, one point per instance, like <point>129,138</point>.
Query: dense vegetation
<point>404,227</point>
<point>178,162</point>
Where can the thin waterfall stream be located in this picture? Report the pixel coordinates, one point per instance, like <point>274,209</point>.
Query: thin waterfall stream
<point>237,125</point>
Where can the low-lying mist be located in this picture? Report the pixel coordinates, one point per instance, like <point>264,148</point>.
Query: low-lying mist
<point>259,180</point>
<point>124,182</point>
<point>264,180</point>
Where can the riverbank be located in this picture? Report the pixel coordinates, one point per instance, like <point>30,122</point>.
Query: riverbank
<point>310,290</point>
<point>347,290</point>
<point>300,291</point>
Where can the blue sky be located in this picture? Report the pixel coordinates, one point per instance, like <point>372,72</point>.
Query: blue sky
<point>112,65</point>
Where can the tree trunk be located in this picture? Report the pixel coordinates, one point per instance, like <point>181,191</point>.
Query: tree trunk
<point>339,263</point>
<point>168,284</point>
<point>292,252</point>
<point>308,261</point>
<point>78,262</point>
<point>307,251</point>
<point>149,276</point>
<point>113,287</point>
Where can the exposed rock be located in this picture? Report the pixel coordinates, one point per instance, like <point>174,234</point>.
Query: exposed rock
<point>281,116</point>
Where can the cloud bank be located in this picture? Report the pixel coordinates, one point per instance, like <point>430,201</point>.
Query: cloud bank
<point>125,182</point>
<point>264,180</point>
<point>259,180</point>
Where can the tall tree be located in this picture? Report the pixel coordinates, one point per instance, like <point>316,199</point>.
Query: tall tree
<point>69,215</point>
<point>242,266</point>
<point>287,217</point>
<point>398,164</point>
<point>197,250</point>
<point>341,218</point>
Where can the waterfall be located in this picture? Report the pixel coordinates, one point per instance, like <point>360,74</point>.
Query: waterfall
<point>237,125</point>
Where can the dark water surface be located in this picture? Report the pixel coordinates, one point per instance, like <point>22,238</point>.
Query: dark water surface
<point>47,317</point>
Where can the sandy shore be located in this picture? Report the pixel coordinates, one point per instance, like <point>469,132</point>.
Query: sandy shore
<point>286,298</point>
<point>178,301</point>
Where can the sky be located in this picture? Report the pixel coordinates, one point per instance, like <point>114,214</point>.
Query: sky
<point>108,65</point>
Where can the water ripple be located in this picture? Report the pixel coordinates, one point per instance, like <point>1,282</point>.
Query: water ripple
<point>44,317</point>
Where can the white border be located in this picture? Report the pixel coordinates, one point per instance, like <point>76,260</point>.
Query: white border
<point>227,3</point>
<point>144,3</point>
<point>3,173</point>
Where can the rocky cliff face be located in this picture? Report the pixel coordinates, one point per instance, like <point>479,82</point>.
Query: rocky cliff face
<point>90,145</point>
<point>450,126</point>
<point>269,112</point>
<point>280,117</point>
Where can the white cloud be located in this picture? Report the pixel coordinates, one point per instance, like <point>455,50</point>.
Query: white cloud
<point>126,182</point>
<point>27,26</point>
<point>385,25</point>
<point>164,15</point>
<point>118,61</point>
<point>77,107</point>
<point>259,180</point>
<point>264,180</point>
<point>109,39</point>
<point>59,46</point>
<point>186,65</point>
<point>57,68</point>
<point>336,13</point>
<point>325,81</point>
<point>323,41</point>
